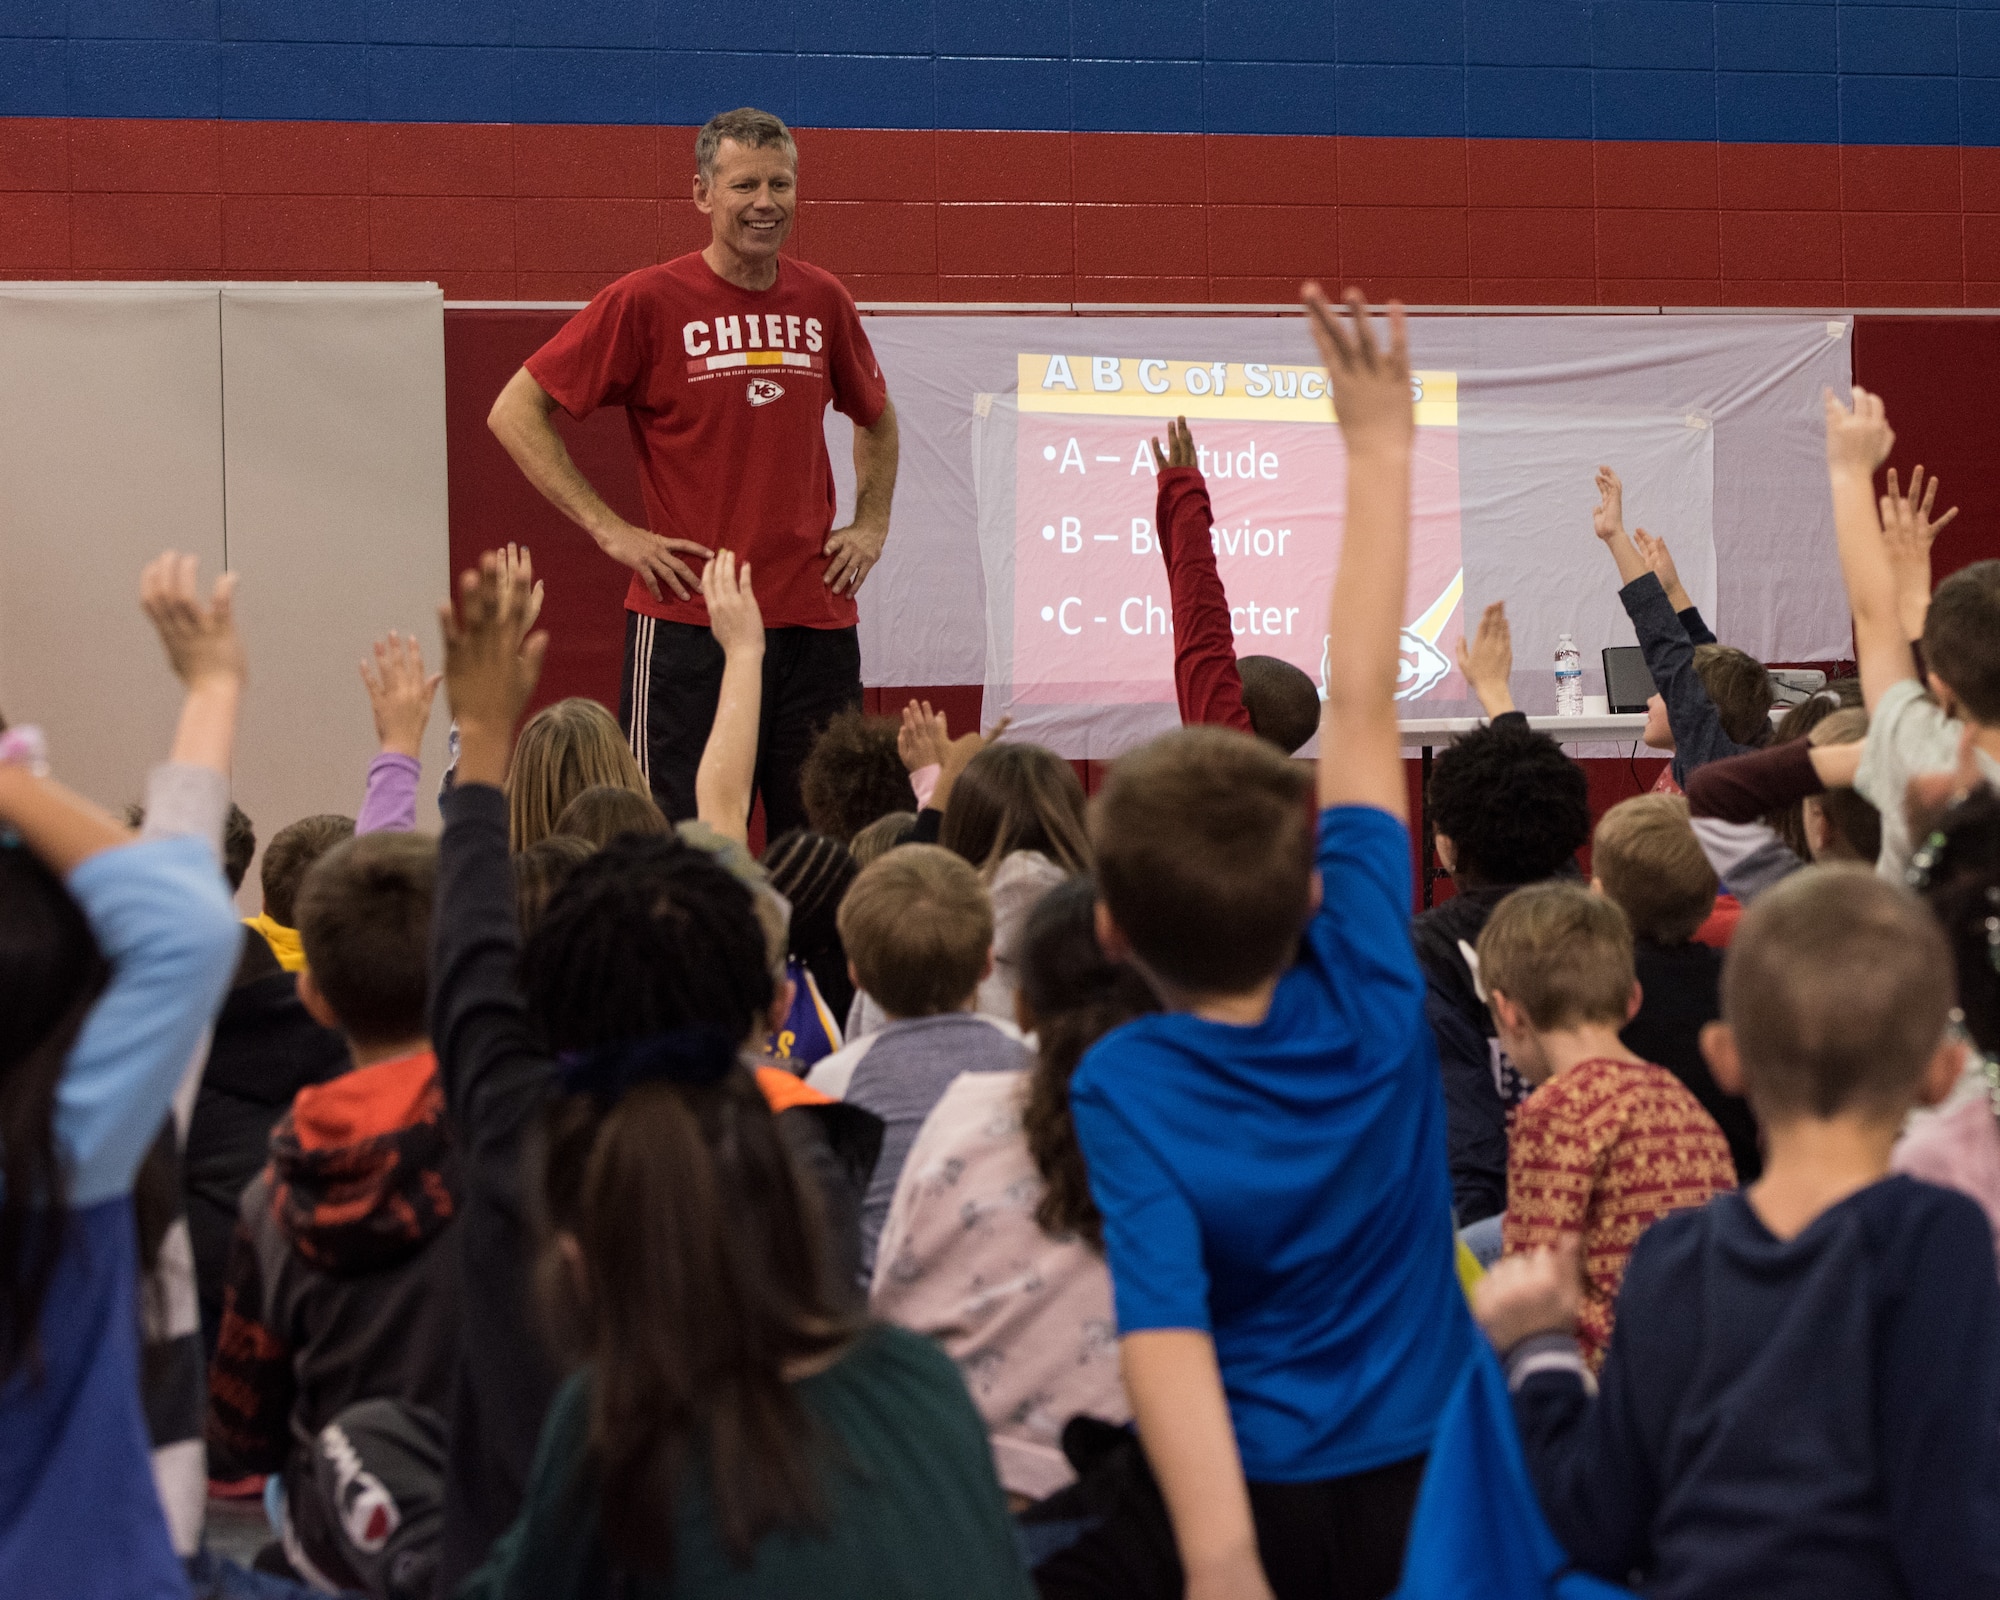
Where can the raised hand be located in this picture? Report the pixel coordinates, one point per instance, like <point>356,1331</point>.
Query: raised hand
<point>1488,661</point>
<point>400,694</point>
<point>1907,525</point>
<point>201,640</point>
<point>1539,1291</point>
<point>1857,440</point>
<point>957,756</point>
<point>922,739</point>
<point>1660,562</point>
<point>1608,520</point>
<point>1368,382</point>
<point>733,616</point>
<point>1180,446</point>
<point>517,569</point>
<point>1908,532</point>
<point>491,661</point>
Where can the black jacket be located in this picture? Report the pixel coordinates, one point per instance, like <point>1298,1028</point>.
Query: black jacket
<point>1668,640</point>
<point>1681,986</point>
<point>266,1048</point>
<point>342,1286</point>
<point>497,1078</point>
<point>1475,1115</point>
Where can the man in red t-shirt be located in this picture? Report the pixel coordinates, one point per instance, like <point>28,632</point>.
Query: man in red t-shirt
<point>725,360</point>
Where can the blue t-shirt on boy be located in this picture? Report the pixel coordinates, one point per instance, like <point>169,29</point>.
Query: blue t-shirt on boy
<point>1284,1187</point>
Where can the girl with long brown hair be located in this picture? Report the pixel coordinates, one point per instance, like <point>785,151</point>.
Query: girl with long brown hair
<point>565,749</point>
<point>732,1428</point>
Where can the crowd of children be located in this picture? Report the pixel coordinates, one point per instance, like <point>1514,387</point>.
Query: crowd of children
<point>994,1192</point>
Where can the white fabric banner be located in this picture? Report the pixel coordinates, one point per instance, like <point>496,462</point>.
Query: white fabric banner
<point>1713,421</point>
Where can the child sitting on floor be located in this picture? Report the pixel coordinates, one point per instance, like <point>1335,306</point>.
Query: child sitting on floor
<point>341,1285</point>
<point>1268,1155</point>
<point>1916,720</point>
<point>992,1246</point>
<point>1957,871</point>
<point>1802,1397</point>
<point>731,1429</point>
<point>1607,1144</point>
<point>287,859</point>
<point>853,775</point>
<point>116,954</point>
<point>1509,808</point>
<point>1646,857</point>
<point>565,749</point>
<point>918,929</point>
<point>1709,700</point>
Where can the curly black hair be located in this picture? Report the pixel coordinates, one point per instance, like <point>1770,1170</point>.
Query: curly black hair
<point>1515,808</point>
<point>648,934</point>
<point>854,774</point>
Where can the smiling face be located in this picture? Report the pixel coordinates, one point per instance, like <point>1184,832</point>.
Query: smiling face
<point>1658,734</point>
<point>749,200</point>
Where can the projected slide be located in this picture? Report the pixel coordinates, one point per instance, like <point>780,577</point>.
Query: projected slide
<point>1092,613</point>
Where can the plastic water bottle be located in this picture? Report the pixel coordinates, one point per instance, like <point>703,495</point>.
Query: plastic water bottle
<point>1569,677</point>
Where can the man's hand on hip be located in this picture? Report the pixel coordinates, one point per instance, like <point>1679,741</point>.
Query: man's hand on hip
<point>851,553</point>
<point>655,559</point>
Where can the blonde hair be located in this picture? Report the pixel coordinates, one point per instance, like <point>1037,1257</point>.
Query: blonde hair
<point>1649,861</point>
<point>881,836</point>
<point>565,749</point>
<point>1560,953</point>
<point>918,925</point>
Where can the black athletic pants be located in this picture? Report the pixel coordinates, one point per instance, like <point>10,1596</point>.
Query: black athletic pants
<point>673,678</point>
<point>1341,1539</point>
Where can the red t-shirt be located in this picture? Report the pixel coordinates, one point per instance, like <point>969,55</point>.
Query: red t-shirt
<point>726,389</point>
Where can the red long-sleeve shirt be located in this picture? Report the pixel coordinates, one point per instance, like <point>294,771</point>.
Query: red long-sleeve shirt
<point>1206,682</point>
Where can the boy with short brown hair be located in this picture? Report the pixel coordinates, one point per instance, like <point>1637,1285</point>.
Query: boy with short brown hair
<point>340,1287</point>
<point>917,925</point>
<point>1607,1143</point>
<point>1268,1154</point>
<point>1647,858</point>
<point>1803,1394</point>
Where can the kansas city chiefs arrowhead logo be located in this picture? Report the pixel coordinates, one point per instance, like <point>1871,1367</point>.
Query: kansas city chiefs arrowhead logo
<point>763,391</point>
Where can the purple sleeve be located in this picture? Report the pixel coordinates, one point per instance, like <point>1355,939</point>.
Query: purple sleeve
<point>390,806</point>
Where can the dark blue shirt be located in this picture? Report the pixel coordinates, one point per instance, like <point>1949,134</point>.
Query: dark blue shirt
<point>1805,1417</point>
<point>1283,1187</point>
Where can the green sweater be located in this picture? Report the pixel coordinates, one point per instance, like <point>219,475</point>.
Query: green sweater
<point>912,1506</point>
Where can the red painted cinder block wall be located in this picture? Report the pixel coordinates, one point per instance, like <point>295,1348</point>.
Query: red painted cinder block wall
<point>502,212</point>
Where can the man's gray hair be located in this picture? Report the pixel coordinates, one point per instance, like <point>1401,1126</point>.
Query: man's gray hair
<point>747,126</point>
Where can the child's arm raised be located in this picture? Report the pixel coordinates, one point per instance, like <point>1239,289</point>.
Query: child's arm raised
<point>1361,759</point>
<point>491,661</point>
<point>1207,682</point>
<point>206,655</point>
<point>1607,521</point>
<point>1488,661</point>
<point>400,693</point>
<point>1857,442</point>
<point>729,759</point>
<point>1907,536</point>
